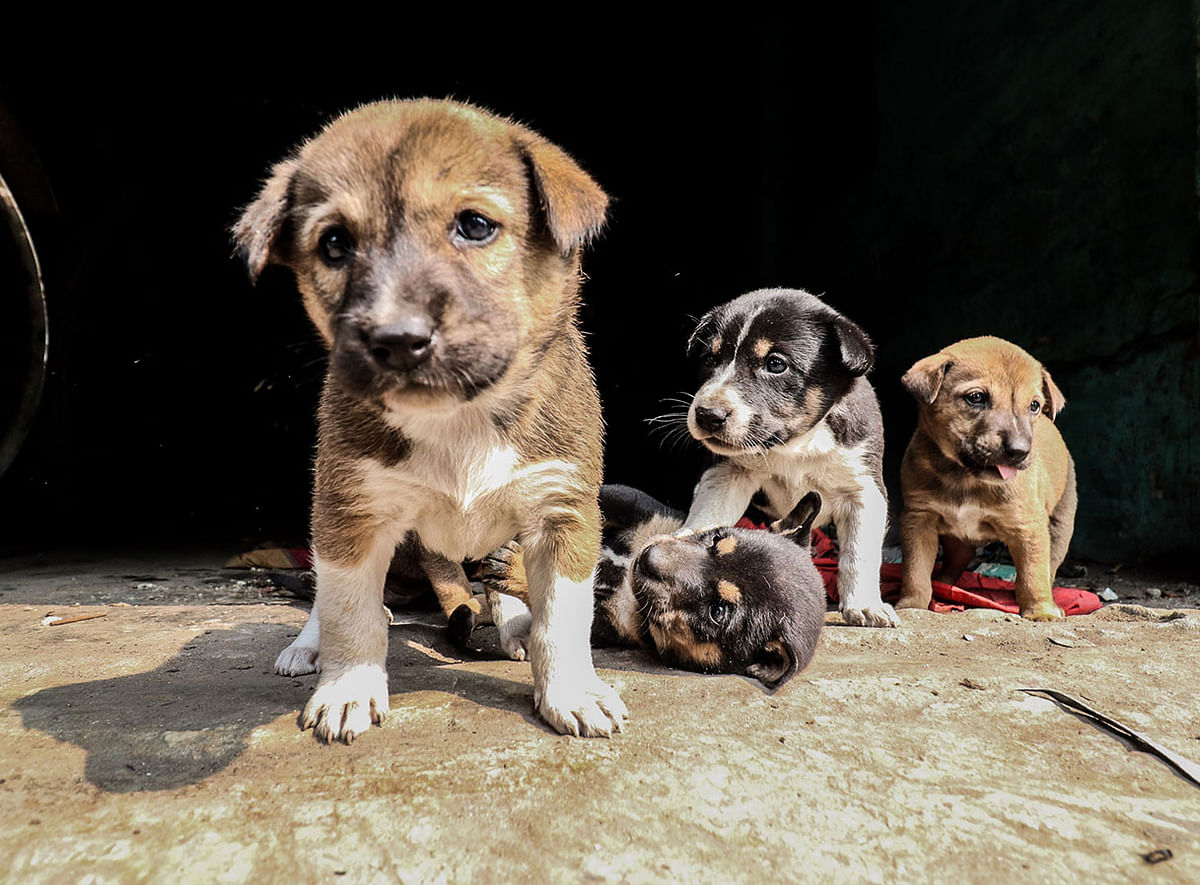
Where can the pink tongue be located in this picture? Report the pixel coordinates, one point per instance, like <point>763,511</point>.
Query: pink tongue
<point>1006,472</point>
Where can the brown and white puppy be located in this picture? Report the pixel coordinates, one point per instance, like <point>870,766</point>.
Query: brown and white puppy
<point>726,600</point>
<point>986,463</point>
<point>785,407</point>
<point>437,248</point>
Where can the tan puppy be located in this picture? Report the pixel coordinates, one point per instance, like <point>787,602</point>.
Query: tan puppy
<point>986,463</point>
<point>437,248</point>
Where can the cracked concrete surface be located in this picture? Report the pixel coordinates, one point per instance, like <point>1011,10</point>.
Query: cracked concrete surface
<point>155,744</point>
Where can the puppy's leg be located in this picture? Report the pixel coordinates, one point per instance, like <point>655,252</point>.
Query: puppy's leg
<point>1030,551</point>
<point>721,497</point>
<point>503,574</point>
<point>566,690</point>
<point>453,591</point>
<point>1062,521</point>
<point>918,547</point>
<point>353,689</point>
<point>956,556</point>
<point>861,526</point>
<point>302,655</point>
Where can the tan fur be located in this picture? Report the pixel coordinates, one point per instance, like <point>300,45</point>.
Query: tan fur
<point>726,545</point>
<point>1033,512</point>
<point>463,471</point>
<point>639,537</point>
<point>675,637</point>
<point>730,592</point>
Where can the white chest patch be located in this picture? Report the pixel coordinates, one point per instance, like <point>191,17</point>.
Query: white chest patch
<point>465,491</point>
<point>812,462</point>
<point>967,521</point>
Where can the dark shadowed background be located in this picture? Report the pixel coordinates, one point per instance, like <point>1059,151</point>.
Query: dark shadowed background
<point>935,170</point>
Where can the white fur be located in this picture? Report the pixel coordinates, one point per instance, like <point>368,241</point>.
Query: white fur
<point>849,496</point>
<point>302,655</point>
<point>616,559</point>
<point>566,691</point>
<point>964,521</point>
<point>352,625</point>
<point>512,620</point>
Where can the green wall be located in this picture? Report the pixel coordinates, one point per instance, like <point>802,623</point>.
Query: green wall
<point>1034,177</point>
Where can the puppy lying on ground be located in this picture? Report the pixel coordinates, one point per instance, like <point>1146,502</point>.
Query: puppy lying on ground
<point>986,463</point>
<point>725,600</point>
<point>784,406</point>
<point>437,248</point>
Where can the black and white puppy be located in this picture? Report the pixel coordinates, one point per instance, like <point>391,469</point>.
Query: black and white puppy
<point>726,600</point>
<point>785,407</point>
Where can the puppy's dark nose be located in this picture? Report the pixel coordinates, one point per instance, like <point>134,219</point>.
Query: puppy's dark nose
<point>655,562</point>
<point>1016,447</point>
<point>709,419</point>
<point>403,345</point>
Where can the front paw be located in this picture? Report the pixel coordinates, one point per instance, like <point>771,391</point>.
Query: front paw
<point>512,620</point>
<point>514,636</point>
<point>1042,611</point>
<point>296,660</point>
<point>879,614</point>
<point>914,594</point>
<point>345,705</point>
<point>461,624</point>
<point>592,711</point>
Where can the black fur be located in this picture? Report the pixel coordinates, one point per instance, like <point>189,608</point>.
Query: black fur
<point>825,357</point>
<point>726,600</point>
<point>784,405</point>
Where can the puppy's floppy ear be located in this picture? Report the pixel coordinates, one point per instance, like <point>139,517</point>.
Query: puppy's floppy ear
<point>797,525</point>
<point>775,664</point>
<point>573,204</point>
<point>256,233</point>
<point>925,378</point>
<point>858,354</point>
<point>1054,397</point>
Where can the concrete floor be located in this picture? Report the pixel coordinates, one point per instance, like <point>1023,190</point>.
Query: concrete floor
<point>155,744</point>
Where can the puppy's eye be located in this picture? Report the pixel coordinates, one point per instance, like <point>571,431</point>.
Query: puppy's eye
<point>335,246</point>
<point>476,228</point>
<point>977,398</point>
<point>709,360</point>
<point>718,612</point>
<point>775,364</point>
<point>1035,407</point>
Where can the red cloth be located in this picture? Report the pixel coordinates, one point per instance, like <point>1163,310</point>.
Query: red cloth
<point>972,590</point>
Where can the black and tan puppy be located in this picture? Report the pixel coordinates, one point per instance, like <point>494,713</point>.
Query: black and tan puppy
<point>986,463</point>
<point>785,407</point>
<point>437,248</point>
<point>725,600</point>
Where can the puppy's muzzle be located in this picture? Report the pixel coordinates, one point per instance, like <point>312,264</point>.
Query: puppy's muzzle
<point>403,345</point>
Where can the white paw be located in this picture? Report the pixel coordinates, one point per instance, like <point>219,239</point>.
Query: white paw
<point>344,706</point>
<point>296,660</point>
<point>514,637</point>
<point>594,710</point>
<point>879,614</point>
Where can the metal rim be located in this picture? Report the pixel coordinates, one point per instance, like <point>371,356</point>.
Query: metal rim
<point>12,436</point>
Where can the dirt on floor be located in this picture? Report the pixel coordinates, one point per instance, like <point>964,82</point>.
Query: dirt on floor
<point>155,743</point>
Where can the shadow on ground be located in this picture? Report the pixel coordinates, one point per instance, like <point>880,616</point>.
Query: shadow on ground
<point>195,714</point>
